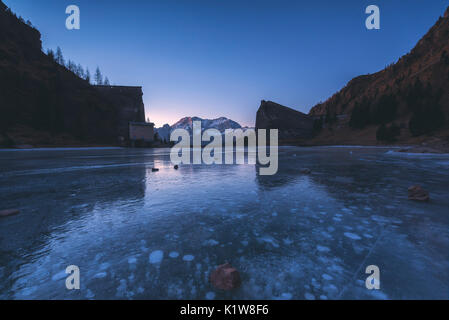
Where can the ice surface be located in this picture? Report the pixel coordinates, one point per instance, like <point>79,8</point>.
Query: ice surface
<point>327,277</point>
<point>309,296</point>
<point>211,242</point>
<point>59,276</point>
<point>352,236</point>
<point>156,256</point>
<point>291,236</point>
<point>322,248</point>
<point>90,294</point>
<point>100,275</point>
<point>210,295</point>
<point>105,266</point>
<point>188,257</point>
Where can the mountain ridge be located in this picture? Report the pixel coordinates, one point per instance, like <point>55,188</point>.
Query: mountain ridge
<point>221,124</point>
<point>45,104</point>
<point>411,94</point>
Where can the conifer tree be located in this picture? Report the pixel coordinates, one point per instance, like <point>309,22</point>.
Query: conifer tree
<point>59,56</point>
<point>98,77</point>
<point>87,75</point>
<point>80,71</point>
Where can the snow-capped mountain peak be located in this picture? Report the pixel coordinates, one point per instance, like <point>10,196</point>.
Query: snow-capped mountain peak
<point>221,124</point>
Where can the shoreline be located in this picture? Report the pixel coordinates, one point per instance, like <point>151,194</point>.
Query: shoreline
<point>410,149</point>
<point>60,148</point>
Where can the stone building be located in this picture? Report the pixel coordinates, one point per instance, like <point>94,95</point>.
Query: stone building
<point>131,125</point>
<point>141,132</point>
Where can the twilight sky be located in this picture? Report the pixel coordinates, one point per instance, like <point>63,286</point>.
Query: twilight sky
<point>212,58</point>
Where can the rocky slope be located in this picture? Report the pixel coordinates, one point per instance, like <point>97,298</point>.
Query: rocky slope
<point>292,125</point>
<point>404,103</point>
<point>43,103</point>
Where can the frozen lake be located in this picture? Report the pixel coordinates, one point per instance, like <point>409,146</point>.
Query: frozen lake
<point>138,234</point>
